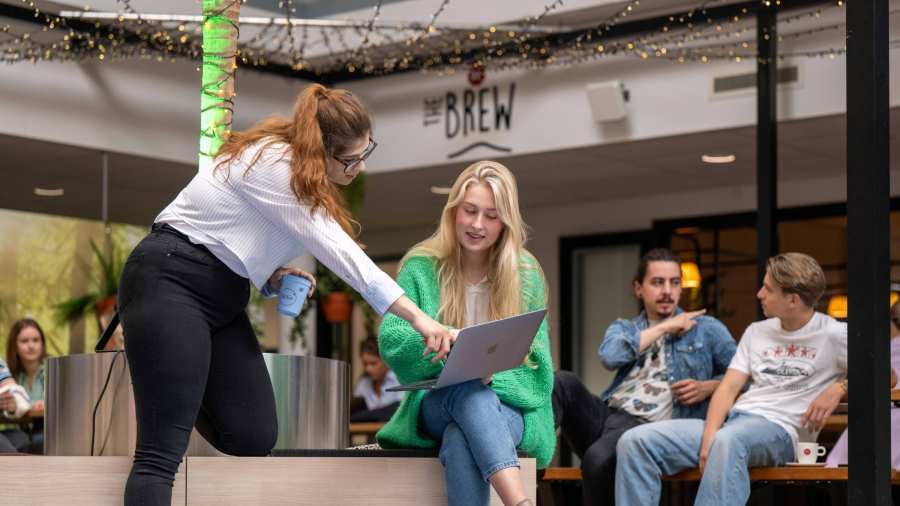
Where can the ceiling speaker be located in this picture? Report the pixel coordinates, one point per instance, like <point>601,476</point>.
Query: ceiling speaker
<point>607,100</point>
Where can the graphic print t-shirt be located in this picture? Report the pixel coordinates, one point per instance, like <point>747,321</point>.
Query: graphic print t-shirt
<point>789,370</point>
<point>645,392</point>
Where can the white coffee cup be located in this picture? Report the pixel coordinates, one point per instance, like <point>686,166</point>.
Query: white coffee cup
<point>810,452</point>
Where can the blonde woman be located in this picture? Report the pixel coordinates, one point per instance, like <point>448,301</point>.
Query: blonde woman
<point>474,269</point>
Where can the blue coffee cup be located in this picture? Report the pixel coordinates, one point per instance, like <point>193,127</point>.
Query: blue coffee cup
<point>292,295</point>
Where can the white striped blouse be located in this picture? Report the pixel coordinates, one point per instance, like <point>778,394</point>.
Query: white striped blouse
<point>253,223</point>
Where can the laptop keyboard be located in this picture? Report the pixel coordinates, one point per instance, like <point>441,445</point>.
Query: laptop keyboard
<point>423,383</point>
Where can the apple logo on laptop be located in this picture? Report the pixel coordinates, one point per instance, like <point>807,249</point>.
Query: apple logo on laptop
<point>492,349</point>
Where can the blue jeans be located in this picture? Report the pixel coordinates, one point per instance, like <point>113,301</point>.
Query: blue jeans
<point>647,452</point>
<point>478,435</point>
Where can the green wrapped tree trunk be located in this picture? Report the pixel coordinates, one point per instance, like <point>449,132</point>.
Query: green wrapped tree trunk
<point>220,38</point>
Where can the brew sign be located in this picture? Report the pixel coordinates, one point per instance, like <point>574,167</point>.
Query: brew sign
<point>471,111</point>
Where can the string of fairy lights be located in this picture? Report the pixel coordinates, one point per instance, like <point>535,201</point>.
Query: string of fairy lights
<point>218,69</point>
<point>371,47</point>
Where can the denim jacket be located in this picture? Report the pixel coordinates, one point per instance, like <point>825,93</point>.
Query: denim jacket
<point>702,353</point>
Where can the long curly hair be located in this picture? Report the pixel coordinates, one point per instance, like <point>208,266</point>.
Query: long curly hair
<point>325,122</point>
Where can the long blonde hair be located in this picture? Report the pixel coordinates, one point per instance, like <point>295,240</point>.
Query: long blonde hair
<point>506,255</point>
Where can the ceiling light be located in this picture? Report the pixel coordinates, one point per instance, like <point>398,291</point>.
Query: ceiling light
<point>441,190</point>
<point>718,158</point>
<point>48,192</point>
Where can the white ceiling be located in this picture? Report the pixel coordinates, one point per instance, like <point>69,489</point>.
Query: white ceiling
<point>140,187</point>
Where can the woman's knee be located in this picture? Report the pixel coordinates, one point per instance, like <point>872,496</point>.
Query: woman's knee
<point>254,441</point>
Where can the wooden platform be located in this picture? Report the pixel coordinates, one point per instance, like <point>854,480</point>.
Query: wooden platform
<point>71,481</point>
<point>223,481</point>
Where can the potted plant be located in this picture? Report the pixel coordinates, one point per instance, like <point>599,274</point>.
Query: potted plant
<point>101,300</point>
<point>334,295</point>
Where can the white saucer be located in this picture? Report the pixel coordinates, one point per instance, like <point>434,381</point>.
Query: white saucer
<point>800,464</point>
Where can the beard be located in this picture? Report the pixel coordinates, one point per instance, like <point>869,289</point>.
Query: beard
<point>667,312</point>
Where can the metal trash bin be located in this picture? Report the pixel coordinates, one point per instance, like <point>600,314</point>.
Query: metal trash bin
<point>311,399</point>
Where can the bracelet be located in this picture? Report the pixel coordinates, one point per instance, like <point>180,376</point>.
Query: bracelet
<point>844,384</point>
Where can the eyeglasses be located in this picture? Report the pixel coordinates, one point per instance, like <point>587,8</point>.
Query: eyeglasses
<point>350,164</point>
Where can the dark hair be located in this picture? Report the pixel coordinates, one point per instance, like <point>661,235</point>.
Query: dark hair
<point>654,255</point>
<point>12,351</point>
<point>370,346</point>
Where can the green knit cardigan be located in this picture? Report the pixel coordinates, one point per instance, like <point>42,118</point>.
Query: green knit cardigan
<point>527,387</point>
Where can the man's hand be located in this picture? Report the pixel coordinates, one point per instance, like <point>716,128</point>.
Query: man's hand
<point>683,322</point>
<point>676,325</point>
<point>821,408</point>
<point>690,391</point>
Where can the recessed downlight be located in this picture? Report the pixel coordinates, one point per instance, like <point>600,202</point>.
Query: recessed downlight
<point>441,190</point>
<point>718,158</point>
<point>49,192</point>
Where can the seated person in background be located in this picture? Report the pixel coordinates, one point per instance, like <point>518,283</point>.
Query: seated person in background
<point>370,401</point>
<point>25,354</point>
<point>13,404</point>
<point>668,361</point>
<point>474,269</point>
<point>839,454</point>
<point>796,360</point>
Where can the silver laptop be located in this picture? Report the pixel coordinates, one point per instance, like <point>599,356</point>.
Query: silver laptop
<point>485,349</point>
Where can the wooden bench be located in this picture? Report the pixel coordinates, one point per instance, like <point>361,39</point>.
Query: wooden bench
<point>552,487</point>
<point>768,474</point>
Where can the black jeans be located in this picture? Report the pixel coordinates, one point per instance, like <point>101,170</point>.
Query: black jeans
<point>592,429</point>
<point>194,361</point>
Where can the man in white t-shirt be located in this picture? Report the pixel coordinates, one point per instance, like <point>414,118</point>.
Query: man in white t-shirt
<point>796,362</point>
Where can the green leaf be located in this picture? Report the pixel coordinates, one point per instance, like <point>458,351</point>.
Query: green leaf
<point>73,309</point>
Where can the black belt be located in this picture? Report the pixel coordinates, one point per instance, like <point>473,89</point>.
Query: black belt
<point>169,229</point>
